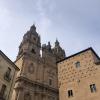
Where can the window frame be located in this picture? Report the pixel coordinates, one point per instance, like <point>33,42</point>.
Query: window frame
<point>93,88</point>
<point>7,75</point>
<point>70,93</point>
<point>33,51</point>
<point>50,82</point>
<point>77,64</point>
<point>3,90</point>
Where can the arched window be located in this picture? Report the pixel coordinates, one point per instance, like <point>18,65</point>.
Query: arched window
<point>33,51</point>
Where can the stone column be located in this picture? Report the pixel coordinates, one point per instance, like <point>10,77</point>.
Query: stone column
<point>15,94</point>
<point>33,96</point>
<point>20,95</point>
<point>46,98</point>
<point>40,96</point>
<point>36,96</point>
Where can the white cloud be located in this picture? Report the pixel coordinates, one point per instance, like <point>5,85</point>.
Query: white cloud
<point>5,17</point>
<point>70,21</point>
<point>44,22</point>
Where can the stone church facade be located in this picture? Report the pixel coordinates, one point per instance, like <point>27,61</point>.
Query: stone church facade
<point>38,75</point>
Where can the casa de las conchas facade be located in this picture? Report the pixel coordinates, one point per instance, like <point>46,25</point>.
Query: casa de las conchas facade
<point>79,76</point>
<point>38,75</point>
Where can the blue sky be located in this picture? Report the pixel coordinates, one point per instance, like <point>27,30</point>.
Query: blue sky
<point>76,23</point>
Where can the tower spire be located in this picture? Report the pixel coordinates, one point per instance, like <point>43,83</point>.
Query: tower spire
<point>57,42</point>
<point>58,51</point>
<point>33,30</point>
<point>30,43</point>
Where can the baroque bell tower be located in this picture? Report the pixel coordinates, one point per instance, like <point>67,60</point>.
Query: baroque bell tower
<point>38,75</point>
<point>31,43</point>
<point>58,51</point>
<point>29,61</point>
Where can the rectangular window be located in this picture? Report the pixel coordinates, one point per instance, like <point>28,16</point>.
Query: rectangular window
<point>7,75</point>
<point>3,89</point>
<point>93,88</point>
<point>50,82</point>
<point>77,64</point>
<point>70,93</point>
<point>9,71</point>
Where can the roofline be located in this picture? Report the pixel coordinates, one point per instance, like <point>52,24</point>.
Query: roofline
<point>9,60</point>
<point>18,58</point>
<point>28,80</point>
<point>90,48</point>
